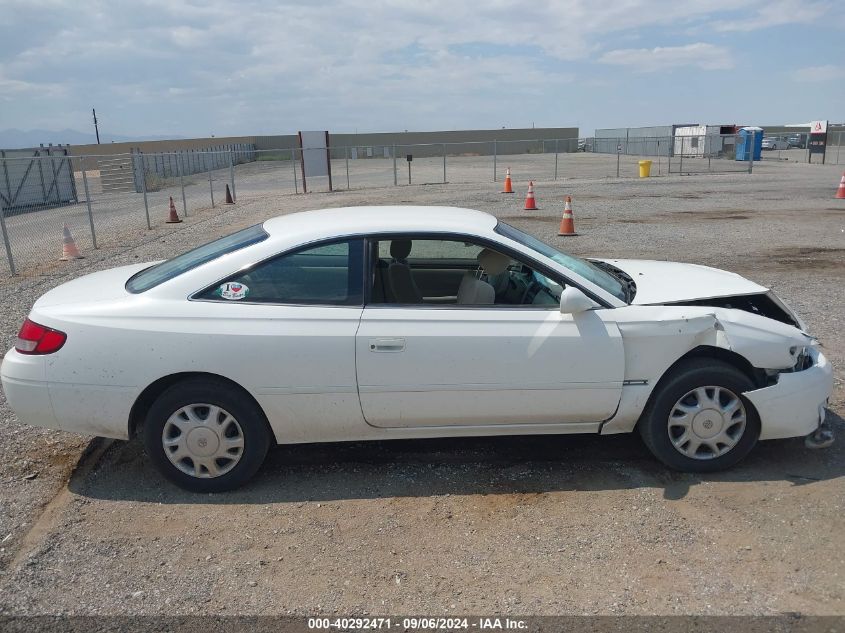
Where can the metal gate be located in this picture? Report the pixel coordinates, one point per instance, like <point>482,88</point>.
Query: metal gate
<point>36,178</point>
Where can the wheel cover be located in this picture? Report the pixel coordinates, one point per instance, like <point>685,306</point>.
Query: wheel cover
<point>707,422</point>
<point>203,440</point>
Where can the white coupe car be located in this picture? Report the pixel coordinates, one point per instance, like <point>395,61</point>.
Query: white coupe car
<point>376,323</point>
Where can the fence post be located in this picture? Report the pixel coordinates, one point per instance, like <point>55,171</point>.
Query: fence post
<point>208,160</point>
<point>681,168</point>
<point>618,154</point>
<point>495,157</point>
<point>293,162</point>
<point>670,149</point>
<point>556,148</point>
<point>751,153</point>
<point>658,157</point>
<point>88,203</point>
<point>182,183</point>
<point>232,175</point>
<point>346,155</point>
<point>144,190</point>
<point>6,240</point>
<point>395,183</point>
<point>444,163</point>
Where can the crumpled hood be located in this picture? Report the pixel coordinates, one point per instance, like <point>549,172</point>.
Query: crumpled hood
<point>670,282</point>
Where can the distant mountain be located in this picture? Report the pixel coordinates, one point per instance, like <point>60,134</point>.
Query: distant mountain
<point>14,139</point>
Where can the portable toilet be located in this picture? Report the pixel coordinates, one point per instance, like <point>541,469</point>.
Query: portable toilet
<point>743,145</point>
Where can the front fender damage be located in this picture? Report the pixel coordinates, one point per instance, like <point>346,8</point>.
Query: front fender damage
<point>662,335</point>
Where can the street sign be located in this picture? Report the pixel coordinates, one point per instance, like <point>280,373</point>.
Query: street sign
<point>817,143</point>
<point>818,127</point>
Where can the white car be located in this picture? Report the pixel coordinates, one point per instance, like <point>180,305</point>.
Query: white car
<point>375,323</point>
<point>774,143</point>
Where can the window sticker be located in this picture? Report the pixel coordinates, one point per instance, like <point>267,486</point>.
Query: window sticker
<point>233,291</point>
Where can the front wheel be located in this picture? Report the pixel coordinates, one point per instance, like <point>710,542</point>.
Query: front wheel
<point>204,435</point>
<point>699,421</point>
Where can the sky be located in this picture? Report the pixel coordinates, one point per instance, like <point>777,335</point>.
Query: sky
<point>258,67</point>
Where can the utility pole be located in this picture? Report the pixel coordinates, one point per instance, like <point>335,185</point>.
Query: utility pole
<point>96,129</point>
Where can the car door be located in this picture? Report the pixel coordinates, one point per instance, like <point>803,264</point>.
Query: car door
<point>471,365</point>
<point>285,329</point>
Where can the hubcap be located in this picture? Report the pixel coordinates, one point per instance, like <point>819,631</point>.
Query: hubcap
<point>203,440</point>
<point>706,422</point>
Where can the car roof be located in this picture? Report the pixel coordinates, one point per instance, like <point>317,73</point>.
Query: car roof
<point>326,223</point>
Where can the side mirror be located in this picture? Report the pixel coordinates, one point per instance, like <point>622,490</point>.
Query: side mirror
<point>573,301</point>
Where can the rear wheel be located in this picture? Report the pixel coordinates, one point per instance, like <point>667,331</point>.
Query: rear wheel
<point>699,421</point>
<point>205,436</point>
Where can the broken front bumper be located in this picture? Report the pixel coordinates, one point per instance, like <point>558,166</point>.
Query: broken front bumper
<point>792,406</point>
<point>822,437</point>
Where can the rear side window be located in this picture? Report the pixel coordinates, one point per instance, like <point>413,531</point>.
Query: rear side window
<point>165,271</point>
<point>328,274</point>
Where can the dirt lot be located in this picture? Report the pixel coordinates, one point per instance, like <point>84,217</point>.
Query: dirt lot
<point>562,525</point>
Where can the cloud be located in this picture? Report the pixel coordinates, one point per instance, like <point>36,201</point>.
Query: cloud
<point>267,66</point>
<point>777,13</point>
<point>700,55</point>
<point>828,72</point>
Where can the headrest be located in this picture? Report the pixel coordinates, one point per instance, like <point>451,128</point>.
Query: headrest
<point>492,262</point>
<point>400,249</point>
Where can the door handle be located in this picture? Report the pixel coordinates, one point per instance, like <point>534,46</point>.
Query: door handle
<point>387,344</point>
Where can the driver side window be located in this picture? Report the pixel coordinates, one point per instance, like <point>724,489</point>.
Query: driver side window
<point>423,271</point>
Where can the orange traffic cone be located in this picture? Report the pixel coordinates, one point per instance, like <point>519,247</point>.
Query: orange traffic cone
<point>229,196</point>
<point>567,222</point>
<point>840,193</point>
<point>69,250</point>
<point>174,217</point>
<point>508,184</point>
<point>530,203</point>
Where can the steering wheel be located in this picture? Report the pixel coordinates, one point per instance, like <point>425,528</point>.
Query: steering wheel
<point>533,285</point>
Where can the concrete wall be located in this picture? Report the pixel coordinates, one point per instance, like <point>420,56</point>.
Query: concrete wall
<point>463,142</point>
<point>151,147</point>
<point>478,142</point>
<point>86,152</point>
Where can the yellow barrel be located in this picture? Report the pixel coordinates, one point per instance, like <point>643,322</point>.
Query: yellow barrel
<point>645,168</point>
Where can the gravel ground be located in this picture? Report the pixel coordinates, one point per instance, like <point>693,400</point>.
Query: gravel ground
<point>561,525</point>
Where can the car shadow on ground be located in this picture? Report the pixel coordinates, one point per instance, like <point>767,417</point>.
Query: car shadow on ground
<point>455,466</point>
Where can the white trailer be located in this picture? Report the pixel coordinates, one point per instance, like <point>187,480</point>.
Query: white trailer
<point>702,141</point>
<point>690,141</point>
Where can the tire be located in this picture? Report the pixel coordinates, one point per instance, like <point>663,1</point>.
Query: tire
<point>215,453</point>
<point>678,410</point>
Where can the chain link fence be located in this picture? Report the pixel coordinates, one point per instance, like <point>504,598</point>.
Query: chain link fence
<point>113,201</point>
<point>793,147</point>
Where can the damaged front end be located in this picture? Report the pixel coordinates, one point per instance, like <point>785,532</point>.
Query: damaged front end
<point>794,405</point>
<point>793,378</point>
<point>791,397</point>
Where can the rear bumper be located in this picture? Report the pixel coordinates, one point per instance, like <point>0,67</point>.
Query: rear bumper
<point>76,408</point>
<point>25,385</point>
<point>791,408</point>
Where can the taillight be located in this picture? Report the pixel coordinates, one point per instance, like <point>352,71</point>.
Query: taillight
<point>37,339</point>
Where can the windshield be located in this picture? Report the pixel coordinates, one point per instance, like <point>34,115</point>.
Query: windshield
<point>158,274</point>
<point>588,271</point>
